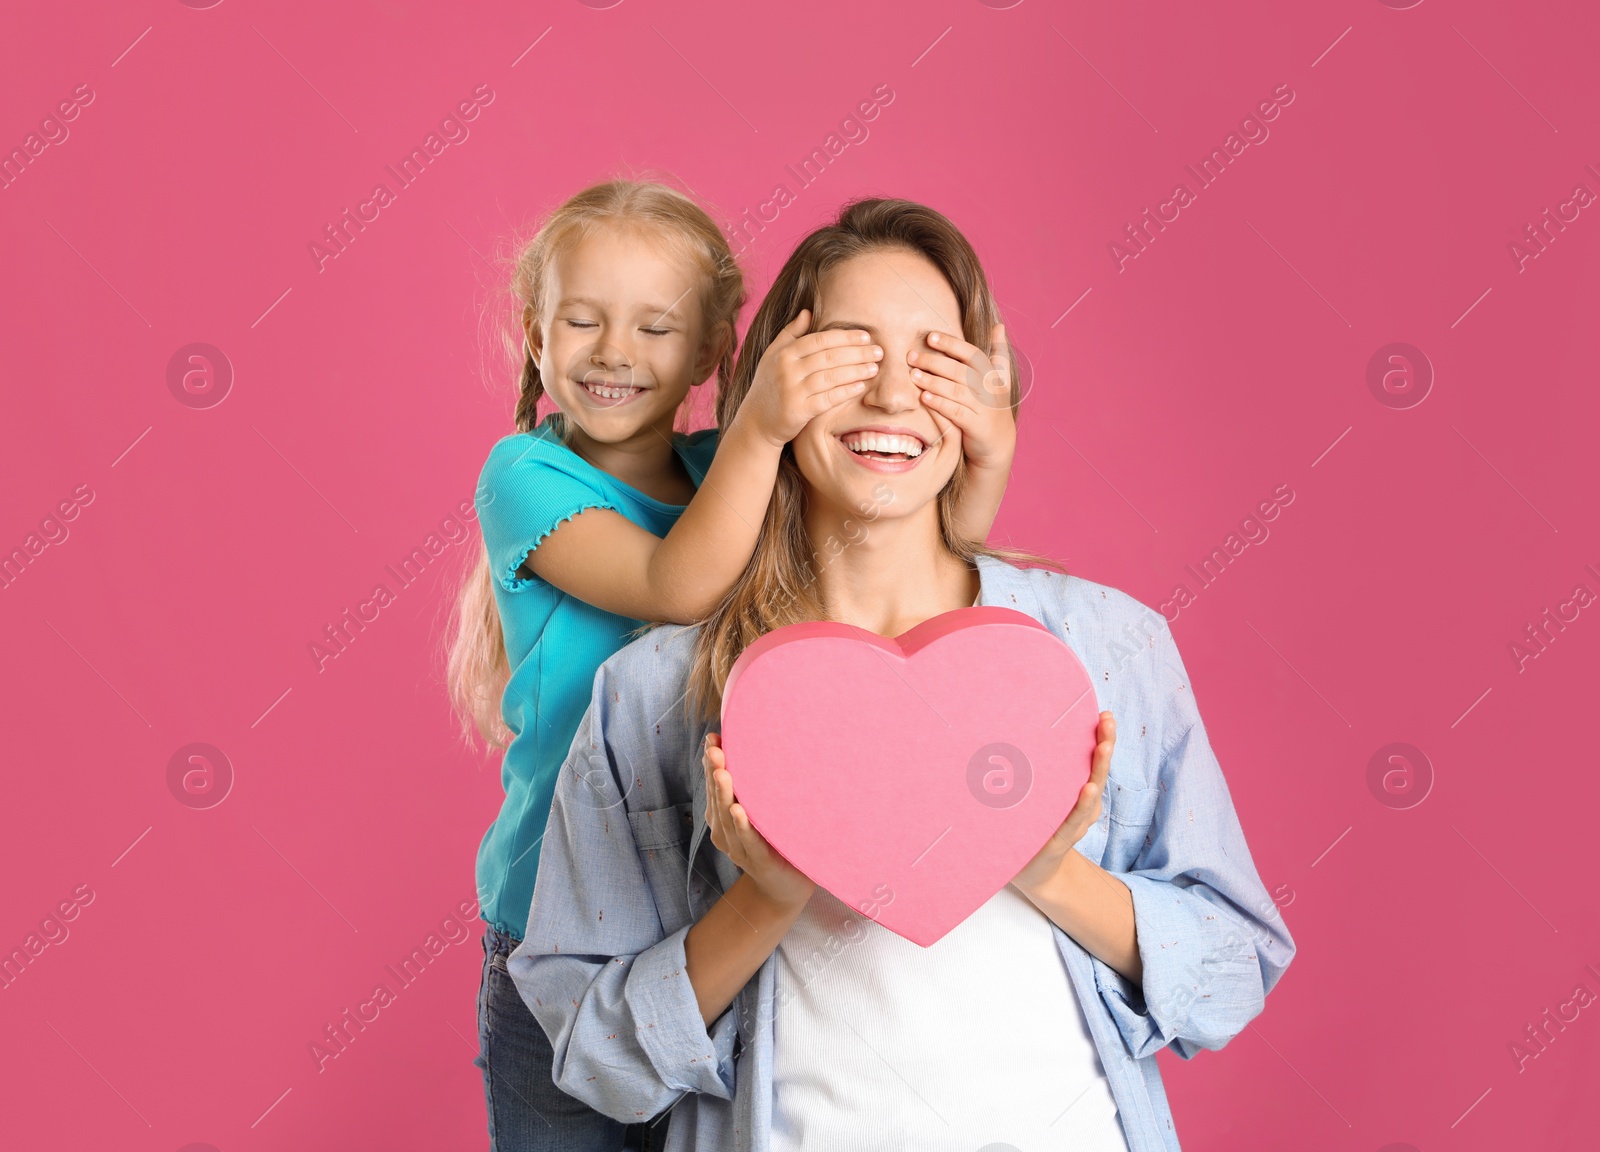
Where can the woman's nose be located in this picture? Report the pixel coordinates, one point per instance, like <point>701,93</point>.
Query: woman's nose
<point>892,388</point>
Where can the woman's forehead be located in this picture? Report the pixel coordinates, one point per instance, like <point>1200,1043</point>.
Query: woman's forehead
<point>884,290</point>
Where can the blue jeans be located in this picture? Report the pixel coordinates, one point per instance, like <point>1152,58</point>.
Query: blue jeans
<point>527,1112</point>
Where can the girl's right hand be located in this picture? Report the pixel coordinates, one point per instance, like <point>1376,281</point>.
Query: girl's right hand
<point>776,878</point>
<point>800,377</point>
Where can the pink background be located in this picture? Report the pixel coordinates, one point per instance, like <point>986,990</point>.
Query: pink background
<point>1171,398</point>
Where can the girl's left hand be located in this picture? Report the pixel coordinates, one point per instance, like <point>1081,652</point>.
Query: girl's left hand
<point>970,389</point>
<point>1084,813</point>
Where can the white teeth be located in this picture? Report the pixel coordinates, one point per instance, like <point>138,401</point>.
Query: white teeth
<point>882,442</point>
<point>607,392</point>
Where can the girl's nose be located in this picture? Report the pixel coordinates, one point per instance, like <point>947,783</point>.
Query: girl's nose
<point>607,354</point>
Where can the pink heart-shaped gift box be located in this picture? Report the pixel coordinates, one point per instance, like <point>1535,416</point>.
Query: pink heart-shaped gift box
<point>911,777</point>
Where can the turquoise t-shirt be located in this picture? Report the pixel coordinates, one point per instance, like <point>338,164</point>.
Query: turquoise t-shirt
<point>555,642</point>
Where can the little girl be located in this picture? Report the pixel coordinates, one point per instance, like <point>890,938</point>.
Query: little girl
<point>593,527</point>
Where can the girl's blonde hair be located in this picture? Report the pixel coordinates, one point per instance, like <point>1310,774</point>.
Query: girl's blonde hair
<point>778,586</point>
<point>477,668</point>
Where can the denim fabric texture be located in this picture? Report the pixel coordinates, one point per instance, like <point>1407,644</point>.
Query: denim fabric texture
<point>527,1112</point>
<point>628,868</point>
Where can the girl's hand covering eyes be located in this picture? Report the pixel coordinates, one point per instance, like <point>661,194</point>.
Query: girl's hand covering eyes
<point>780,881</point>
<point>800,377</point>
<point>970,389</point>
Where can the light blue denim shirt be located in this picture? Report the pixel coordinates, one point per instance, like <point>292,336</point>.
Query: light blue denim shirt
<point>628,868</point>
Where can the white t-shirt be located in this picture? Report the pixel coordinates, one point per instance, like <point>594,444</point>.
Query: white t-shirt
<point>975,1042</point>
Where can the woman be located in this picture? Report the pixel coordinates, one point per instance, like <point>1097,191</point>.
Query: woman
<point>1033,1024</point>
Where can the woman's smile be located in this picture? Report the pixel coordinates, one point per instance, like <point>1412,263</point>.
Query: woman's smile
<point>881,448</point>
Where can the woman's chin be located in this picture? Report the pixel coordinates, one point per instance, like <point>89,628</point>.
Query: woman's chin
<point>871,494</point>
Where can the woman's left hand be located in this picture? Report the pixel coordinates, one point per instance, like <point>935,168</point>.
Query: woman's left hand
<point>970,389</point>
<point>1042,868</point>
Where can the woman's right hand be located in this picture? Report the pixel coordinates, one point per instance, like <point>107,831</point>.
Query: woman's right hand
<point>777,879</point>
<point>801,376</point>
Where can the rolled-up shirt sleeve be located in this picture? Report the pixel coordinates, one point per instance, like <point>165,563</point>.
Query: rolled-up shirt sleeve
<point>1211,940</point>
<point>605,981</point>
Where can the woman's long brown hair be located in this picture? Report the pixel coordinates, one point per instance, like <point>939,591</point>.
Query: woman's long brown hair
<point>779,585</point>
